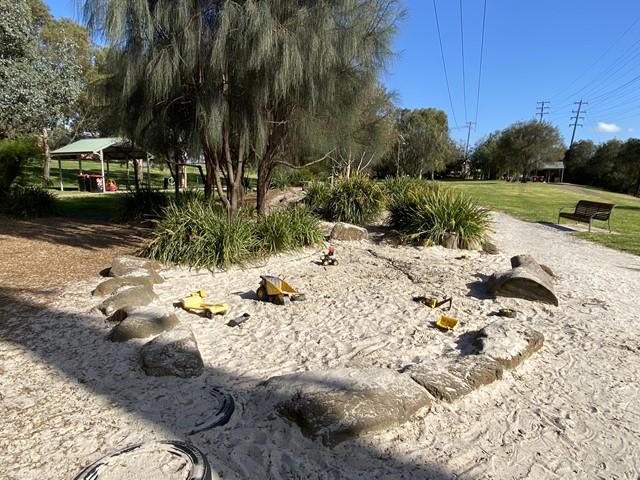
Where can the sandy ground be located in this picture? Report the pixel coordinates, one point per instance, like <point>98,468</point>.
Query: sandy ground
<point>68,396</point>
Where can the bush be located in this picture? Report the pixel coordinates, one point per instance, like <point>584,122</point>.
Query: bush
<point>290,177</point>
<point>397,187</point>
<point>15,155</point>
<point>317,196</point>
<point>289,229</point>
<point>426,213</point>
<point>143,204</point>
<point>30,202</point>
<point>355,200</point>
<point>199,235</point>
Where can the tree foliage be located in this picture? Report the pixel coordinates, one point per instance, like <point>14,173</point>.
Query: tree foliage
<point>40,66</point>
<point>424,145</point>
<point>234,79</point>
<point>529,144</point>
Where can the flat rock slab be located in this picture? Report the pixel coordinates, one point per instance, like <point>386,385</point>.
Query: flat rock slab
<point>456,377</point>
<point>346,231</point>
<point>110,285</point>
<point>138,296</point>
<point>509,343</point>
<point>173,353</point>
<point>335,405</point>
<point>130,266</point>
<point>142,323</point>
<point>527,279</point>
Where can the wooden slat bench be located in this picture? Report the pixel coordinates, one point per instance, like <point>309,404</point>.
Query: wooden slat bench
<point>586,211</point>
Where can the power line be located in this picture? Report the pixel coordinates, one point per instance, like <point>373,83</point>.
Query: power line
<point>446,78</point>
<point>484,17</point>
<point>464,83</point>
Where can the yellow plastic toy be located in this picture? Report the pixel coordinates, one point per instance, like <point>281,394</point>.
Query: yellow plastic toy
<point>447,323</point>
<point>275,290</point>
<point>195,301</point>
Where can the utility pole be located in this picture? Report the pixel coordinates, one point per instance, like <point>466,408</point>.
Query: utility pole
<point>467,168</point>
<point>577,118</point>
<point>542,107</point>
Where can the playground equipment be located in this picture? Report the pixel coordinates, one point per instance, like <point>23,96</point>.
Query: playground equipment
<point>275,290</point>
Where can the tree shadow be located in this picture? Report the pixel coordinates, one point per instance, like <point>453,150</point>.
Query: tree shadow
<point>478,289</point>
<point>75,345</point>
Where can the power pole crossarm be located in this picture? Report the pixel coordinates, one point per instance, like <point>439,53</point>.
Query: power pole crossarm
<point>542,108</point>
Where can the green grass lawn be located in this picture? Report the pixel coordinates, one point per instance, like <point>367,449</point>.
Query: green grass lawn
<point>540,202</point>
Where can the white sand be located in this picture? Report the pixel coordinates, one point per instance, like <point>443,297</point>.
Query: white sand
<point>68,396</point>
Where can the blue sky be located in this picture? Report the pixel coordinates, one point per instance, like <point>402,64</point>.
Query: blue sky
<point>552,51</point>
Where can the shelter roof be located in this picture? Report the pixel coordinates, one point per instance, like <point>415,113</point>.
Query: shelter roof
<point>552,166</point>
<point>116,148</point>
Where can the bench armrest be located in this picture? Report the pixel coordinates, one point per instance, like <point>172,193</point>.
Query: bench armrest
<point>569,206</point>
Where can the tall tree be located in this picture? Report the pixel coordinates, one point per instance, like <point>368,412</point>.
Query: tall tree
<point>576,162</point>
<point>41,64</point>
<point>486,157</point>
<point>231,78</point>
<point>426,145</point>
<point>529,144</point>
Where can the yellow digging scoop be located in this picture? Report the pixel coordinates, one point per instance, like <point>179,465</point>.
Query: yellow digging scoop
<point>195,301</point>
<point>447,323</point>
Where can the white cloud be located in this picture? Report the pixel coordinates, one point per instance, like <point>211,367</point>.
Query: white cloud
<point>608,127</point>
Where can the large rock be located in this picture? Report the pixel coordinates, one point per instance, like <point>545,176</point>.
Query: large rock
<point>335,405</point>
<point>527,279</point>
<point>451,379</point>
<point>173,353</point>
<point>138,296</point>
<point>112,284</point>
<point>346,231</point>
<point>509,343</point>
<point>142,323</point>
<point>130,266</point>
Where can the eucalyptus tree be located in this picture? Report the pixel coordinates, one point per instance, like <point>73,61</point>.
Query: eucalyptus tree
<point>238,75</point>
<point>576,162</point>
<point>529,144</point>
<point>427,146</point>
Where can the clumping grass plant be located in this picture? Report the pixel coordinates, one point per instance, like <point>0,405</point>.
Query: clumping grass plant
<point>317,196</point>
<point>397,187</point>
<point>200,235</point>
<point>428,213</point>
<point>355,200</point>
<point>142,204</point>
<point>29,202</point>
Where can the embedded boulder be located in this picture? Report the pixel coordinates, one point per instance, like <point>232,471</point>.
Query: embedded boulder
<point>508,343</point>
<point>114,283</point>
<point>173,353</point>
<point>527,279</point>
<point>450,380</point>
<point>346,231</point>
<point>142,323</point>
<point>137,296</point>
<point>130,266</point>
<point>335,405</point>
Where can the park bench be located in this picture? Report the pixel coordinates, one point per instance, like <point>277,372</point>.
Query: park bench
<point>586,211</point>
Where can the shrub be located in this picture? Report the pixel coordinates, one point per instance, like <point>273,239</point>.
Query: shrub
<point>288,229</point>
<point>30,202</point>
<point>317,196</point>
<point>355,200</point>
<point>201,236</point>
<point>290,177</point>
<point>15,155</point>
<point>398,187</point>
<point>426,214</point>
<point>143,204</point>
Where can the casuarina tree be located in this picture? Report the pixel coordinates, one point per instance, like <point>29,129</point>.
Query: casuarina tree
<point>232,79</point>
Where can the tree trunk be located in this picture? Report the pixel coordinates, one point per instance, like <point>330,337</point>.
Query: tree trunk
<point>138,172</point>
<point>264,180</point>
<point>46,181</point>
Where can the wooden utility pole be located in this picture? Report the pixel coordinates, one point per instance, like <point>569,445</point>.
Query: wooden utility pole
<point>577,118</point>
<point>467,167</point>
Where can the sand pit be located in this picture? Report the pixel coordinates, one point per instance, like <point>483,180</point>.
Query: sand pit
<point>68,396</point>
